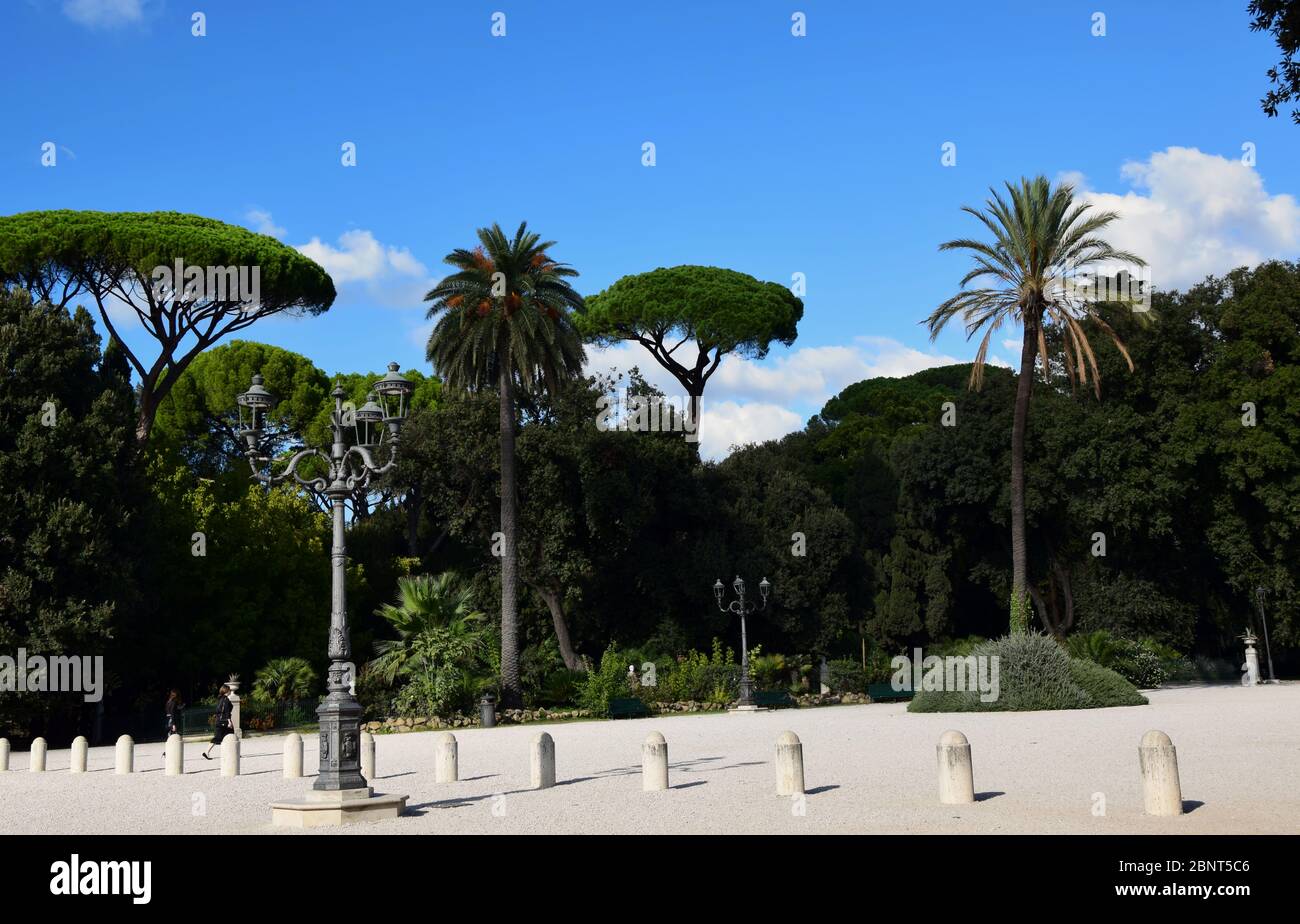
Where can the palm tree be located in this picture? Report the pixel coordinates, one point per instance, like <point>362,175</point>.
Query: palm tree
<point>1042,239</point>
<point>504,321</point>
<point>284,679</point>
<point>437,628</point>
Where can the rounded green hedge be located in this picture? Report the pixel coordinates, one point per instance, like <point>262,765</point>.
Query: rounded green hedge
<point>1034,672</point>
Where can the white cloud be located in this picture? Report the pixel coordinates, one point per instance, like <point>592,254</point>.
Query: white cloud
<point>359,257</point>
<point>752,401</point>
<point>725,424</point>
<point>260,221</point>
<point>1190,214</point>
<point>104,13</point>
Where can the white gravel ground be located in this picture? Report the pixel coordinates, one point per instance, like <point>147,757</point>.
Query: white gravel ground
<point>869,769</point>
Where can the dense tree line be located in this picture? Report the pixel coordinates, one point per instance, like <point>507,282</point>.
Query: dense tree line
<point>1154,511</point>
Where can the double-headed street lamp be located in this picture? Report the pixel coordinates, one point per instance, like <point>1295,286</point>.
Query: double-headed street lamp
<point>348,468</point>
<point>746,699</point>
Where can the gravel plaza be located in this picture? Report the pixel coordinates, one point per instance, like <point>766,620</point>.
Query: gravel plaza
<point>869,769</point>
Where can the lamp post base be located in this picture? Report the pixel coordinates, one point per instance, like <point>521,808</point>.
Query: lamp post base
<point>337,807</point>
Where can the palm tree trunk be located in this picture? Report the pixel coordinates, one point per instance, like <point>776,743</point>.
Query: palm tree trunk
<point>1024,388</point>
<point>512,696</point>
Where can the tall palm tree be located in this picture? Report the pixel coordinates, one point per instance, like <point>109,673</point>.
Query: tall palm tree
<point>504,321</point>
<point>1042,240</point>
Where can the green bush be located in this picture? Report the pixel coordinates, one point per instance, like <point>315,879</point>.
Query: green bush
<point>606,682</point>
<point>1103,686</point>
<point>1141,663</point>
<point>696,677</point>
<point>769,671</point>
<point>847,676</point>
<point>1034,672</point>
<point>284,679</point>
<point>561,687</point>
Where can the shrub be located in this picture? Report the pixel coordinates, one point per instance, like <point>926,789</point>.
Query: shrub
<point>847,676</point>
<point>697,677</point>
<point>1034,672</point>
<point>284,679</point>
<point>561,687</point>
<point>606,682</point>
<point>1103,686</point>
<point>769,672</point>
<point>1141,663</point>
<point>442,693</point>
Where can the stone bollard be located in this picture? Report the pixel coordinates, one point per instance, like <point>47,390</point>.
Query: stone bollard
<point>293,756</point>
<point>368,757</point>
<point>789,765</point>
<point>543,761</point>
<point>36,760</point>
<point>4,755</point>
<point>175,755</point>
<point>124,762</point>
<point>1161,792</point>
<point>654,763</point>
<point>956,779</point>
<point>446,765</point>
<point>80,752</point>
<point>230,756</point>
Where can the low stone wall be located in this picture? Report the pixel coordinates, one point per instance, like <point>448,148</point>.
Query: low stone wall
<point>557,714</point>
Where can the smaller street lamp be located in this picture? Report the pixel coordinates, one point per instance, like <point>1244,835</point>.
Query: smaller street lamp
<point>745,699</point>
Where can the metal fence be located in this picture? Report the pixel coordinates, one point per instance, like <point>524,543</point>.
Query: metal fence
<point>253,716</point>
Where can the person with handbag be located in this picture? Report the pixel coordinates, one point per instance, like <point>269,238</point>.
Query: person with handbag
<point>222,715</point>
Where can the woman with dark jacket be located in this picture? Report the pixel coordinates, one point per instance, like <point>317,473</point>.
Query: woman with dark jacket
<point>224,709</point>
<point>172,714</point>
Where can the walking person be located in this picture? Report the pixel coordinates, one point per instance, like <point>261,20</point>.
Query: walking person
<point>223,725</point>
<point>172,715</point>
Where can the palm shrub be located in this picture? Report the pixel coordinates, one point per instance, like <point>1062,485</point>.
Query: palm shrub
<point>1041,238</point>
<point>284,679</point>
<point>440,648</point>
<point>504,323</point>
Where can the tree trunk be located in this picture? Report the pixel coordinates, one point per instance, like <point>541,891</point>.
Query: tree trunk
<point>555,604</point>
<point>144,421</point>
<point>512,696</point>
<point>1024,388</point>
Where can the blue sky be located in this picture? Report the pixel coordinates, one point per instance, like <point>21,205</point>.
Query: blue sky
<point>775,154</point>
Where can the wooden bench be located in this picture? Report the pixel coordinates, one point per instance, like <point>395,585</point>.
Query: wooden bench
<point>885,692</point>
<point>627,708</point>
<point>773,699</point>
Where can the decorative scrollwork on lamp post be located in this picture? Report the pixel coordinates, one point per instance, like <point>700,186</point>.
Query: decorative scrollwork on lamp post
<point>376,427</point>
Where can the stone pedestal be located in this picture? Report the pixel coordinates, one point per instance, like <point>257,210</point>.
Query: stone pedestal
<point>1250,670</point>
<point>340,807</point>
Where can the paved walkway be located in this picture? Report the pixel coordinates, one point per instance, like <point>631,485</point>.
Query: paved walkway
<point>869,769</point>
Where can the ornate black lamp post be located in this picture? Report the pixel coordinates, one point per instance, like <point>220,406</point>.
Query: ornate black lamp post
<point>347,469</point>
<point>746,698</point>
